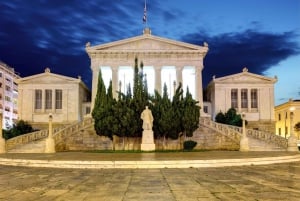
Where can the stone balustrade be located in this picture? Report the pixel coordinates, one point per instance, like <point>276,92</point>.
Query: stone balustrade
<point>232,132</point>
<point>269,137</point>
<point>61,135</point>
<point>235,133</point>
<point>30,137</point>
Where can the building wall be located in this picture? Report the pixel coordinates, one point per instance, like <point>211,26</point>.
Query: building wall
<point>8,95</point>
<point>262,117</point>
<point>284,122</point>
<point>74,93</point>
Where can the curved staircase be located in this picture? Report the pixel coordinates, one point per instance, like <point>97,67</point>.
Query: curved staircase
<point>228,137</point>
<point>258,140</point>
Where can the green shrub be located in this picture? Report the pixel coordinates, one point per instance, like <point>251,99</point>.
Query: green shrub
<point>189,145</point>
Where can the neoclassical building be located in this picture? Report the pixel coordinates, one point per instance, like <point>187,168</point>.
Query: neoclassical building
<point>287,115</point>
<point>157,54</point>
<point>248,93</point>
<point>66,98</point>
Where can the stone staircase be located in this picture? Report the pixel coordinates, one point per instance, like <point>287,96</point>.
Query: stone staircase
<point>35,142</point>
<point>37,146</point>
<point>258,140</point>
<point>81,136</point>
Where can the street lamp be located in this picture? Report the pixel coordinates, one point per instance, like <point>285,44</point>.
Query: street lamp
<point>292,141</point>
<point>244,145</point>
<point>2,140</point>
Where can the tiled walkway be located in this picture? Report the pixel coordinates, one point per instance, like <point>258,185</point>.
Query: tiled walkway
<point>261,182</point>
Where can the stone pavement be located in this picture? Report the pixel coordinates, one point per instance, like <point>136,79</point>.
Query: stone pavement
<point>267,182</point>
<point>252,182</point>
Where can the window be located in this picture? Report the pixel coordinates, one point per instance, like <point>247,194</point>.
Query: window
<point>38,99</point>
<point>279,117</point>
<point>205,109</point>
<point>7,88</point>
<point>7,98</point>
<point>48,99</point>
<point>87,110</point>
<point>58,99</point>
<point>254,98</point>
<point>244,98</point>
<point>234,98</point>
<point>279,131</point>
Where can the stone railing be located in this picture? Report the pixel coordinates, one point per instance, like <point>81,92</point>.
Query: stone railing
<point>27,138</point>
<point>232,132</point>
<point>268,137</point>
<point>61,134</point>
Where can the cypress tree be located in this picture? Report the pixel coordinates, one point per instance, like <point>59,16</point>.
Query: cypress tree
<point>191,114</point>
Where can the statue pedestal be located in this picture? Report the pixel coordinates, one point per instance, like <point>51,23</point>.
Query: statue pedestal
<point>147,141</point>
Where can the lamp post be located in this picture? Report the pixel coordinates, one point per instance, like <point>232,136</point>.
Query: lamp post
<point>292,140</point>
<point>50,144</point>
<point>244,145</point>
<point>2,140</point>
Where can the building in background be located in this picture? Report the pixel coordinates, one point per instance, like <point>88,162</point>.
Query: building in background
<point>248,93</point>
<point>287,115</point>
<point>8,95</point>
<point>66,98</point>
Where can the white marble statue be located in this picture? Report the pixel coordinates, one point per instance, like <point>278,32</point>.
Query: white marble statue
<point>147,118</point>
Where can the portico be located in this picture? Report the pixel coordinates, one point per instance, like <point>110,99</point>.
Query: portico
<point>156,53</point>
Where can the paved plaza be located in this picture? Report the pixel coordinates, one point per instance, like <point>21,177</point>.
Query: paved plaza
<point>252,182</point>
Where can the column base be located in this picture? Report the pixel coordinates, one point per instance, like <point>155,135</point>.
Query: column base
<point>244,144</point>
<point>50,145</point>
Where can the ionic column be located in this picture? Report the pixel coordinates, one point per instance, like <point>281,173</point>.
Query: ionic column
<point>239,99</point>
<point>198,91</point>
<point>158,78</point>
<point>179,75</point>
<point>249,99</point>
<point>95,71</point>
<point>115,84</point>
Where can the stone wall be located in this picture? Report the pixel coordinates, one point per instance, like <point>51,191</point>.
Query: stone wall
<point>87,139</point>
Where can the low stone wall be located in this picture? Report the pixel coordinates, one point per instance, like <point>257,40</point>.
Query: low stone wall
<point>87,139</point>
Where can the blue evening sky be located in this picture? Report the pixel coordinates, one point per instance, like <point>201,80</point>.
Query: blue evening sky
<point>262,35</point>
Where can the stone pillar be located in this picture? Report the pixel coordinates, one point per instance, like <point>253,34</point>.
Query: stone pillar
<point>239,99</point>
<point>199,88</point>
<point>158,78</point>
<point>50,144</point>
<point>95,71</point>
<point>179,75</point>
<point>244,144</point>
<point>292,141</point>
<point>249,99</point>
<point>115,84</point>
<point>2,140</point>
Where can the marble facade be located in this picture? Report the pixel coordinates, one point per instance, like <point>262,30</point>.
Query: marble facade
<point>248,93</point>
<point>152,51</point>
<point>66,98</point>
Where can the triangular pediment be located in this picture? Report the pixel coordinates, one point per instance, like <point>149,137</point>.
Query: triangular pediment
<point>245,77</point>
<point>47,78</point>
<point>146,42</point>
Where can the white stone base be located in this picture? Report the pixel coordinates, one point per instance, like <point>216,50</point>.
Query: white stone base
<point>147,141</point>
<point>50,145</point>
<point>148,147</point>
<point>244,144</point>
